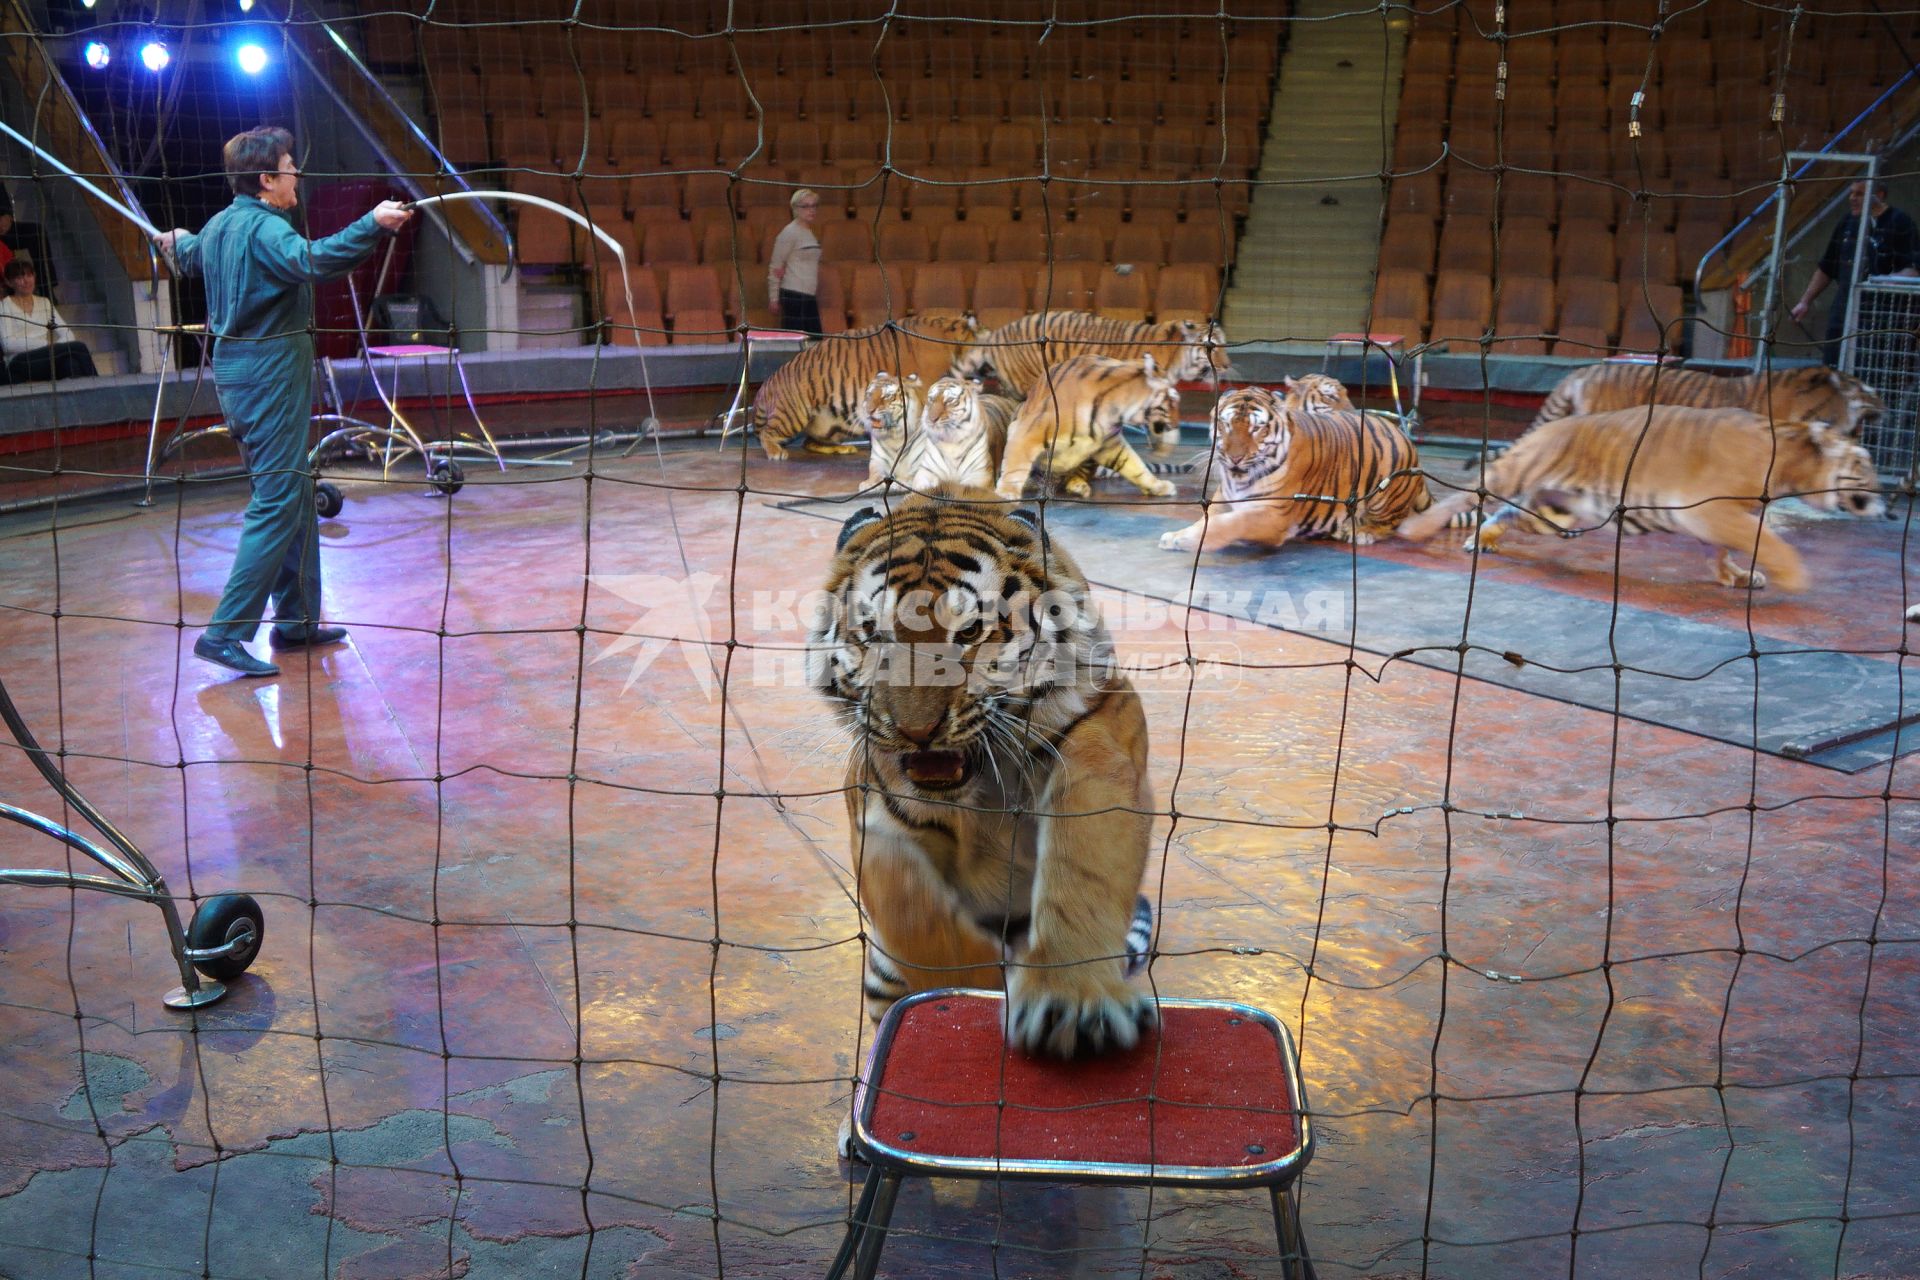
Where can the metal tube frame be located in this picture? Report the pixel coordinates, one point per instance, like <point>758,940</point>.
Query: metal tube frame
<point>1408,410</point>
<point>888,1164</point>
<point>132,875</point>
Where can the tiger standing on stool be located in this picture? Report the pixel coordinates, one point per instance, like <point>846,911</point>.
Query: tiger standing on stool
<point>1665,469</point>
<point>1288,472</point>
<point>997,793</point>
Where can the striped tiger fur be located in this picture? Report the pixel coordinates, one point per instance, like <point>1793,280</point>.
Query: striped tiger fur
<point>1285,473</point>
<point>1074,415</point>
<point>1671,469</point>
<point>890,410</point>
<point>1019,353</point>
<point>964,879</point>
<point>1316,391</point>
<point>1813,394</point>
<point>818,392</point>
<point>966,434</point>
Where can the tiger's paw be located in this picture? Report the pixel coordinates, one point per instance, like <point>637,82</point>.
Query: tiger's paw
<point>1181,539</point>
<point>843,1141</point>
<point>1159,488</point>
<point>1732,575</point>
<point>1485,539</point>
<point>1076,1010</point>
<point>775,452</point>
<point>829,450</point>
<point>1076,487</point>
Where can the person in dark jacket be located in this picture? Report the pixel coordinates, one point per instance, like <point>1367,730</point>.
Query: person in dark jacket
<point>259,274</point>
<point>1893,249</point>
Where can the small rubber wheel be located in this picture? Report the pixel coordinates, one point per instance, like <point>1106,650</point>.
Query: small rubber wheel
<point>447,476</point>
<point>225,918</point>
<point>328,500</point>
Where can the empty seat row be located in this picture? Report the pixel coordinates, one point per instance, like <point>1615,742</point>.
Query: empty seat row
<point>1173,51</point>
<point>824,101</point>
<point>637,144</point>
<point>544,238</point>
<point>697,304</point>
<point>1586,317</point>
<point>976,197</point>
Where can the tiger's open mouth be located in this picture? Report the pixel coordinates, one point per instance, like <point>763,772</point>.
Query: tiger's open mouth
<point>935,770</point>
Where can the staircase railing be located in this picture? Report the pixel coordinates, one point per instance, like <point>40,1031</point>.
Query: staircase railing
<point>1805,209</point>
<point>63,128</point>
<point>476,232</point>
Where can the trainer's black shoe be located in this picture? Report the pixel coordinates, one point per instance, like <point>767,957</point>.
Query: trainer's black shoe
<point>229,654</point>
<point>309,639</point>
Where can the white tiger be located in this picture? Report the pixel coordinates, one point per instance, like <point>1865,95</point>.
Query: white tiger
<point>890,409</point>
<point>964,431</point>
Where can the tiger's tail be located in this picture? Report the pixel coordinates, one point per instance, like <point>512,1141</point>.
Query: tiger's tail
<point>1563,401</point>
<point>1140,936</point>
<point>1444,514</point>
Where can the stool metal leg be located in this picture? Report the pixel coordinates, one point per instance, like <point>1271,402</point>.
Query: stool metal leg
<point>875,1239</point>
<point>856,1227</point>
<point>1294,1261</point>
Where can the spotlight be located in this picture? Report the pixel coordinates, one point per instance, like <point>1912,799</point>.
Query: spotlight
<point>252,58</point>
<point>246,6</point>
<point>154,56</point>
<point>98,55</point>
<point>89,3</point>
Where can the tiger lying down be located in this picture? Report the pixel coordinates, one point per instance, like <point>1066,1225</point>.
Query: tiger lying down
<point>1309,465</point>
<point>997,790</point>
<point>1668,469</point>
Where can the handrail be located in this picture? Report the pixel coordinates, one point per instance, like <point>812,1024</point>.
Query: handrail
<point>1821,207</point>
<point>475,231</point>
<point>136,253</point>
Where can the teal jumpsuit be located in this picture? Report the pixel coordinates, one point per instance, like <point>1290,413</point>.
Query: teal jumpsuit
<point>259,279</point>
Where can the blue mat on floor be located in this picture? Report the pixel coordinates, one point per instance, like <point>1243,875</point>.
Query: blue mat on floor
<point>1838,710</point>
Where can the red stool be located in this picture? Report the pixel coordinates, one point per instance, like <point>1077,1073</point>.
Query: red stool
<point>1213,1099</point>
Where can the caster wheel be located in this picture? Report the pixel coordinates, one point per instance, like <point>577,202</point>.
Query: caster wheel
<point>328,500</point>
<point>228,919</point>
<point>447,476</point>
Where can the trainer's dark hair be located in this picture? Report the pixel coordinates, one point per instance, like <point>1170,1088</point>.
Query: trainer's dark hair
<point>20,266</point>
<point>251,155</point>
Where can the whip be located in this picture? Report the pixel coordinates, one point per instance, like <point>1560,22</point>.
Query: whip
<point>91,189</point>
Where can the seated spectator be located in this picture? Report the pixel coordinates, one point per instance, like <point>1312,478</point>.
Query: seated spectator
<point>35,341</point>
<point>23,238</point>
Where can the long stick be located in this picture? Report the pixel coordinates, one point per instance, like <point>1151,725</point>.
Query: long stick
<point>562,210</point>
<point>55,161</point>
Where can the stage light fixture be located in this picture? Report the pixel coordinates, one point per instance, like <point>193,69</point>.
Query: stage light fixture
<point>246,6</point>
<point>252,58</point>
<point>98,55</point>
<point>154,56</point>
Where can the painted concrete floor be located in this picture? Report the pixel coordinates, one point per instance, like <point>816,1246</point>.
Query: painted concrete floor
<point>561,974</point>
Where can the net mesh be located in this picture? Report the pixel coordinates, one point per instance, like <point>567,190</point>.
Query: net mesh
<point>1588,894</point>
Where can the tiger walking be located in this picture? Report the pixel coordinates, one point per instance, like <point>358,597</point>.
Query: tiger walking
<point>818,393</point>
<point>1814,394</point>
<point>1667,469</point>
<point>1073,417</point>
